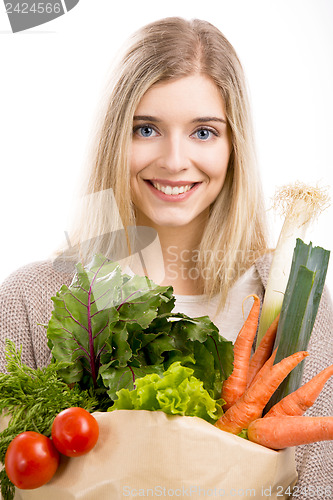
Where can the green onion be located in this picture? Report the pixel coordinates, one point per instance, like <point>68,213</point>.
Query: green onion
<point>300,204</point>
<point>299,310</point>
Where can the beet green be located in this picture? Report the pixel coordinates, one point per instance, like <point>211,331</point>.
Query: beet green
<point>114,328</point>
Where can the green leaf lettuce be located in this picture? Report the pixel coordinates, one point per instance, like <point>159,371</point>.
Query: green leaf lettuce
<point>175,392</point>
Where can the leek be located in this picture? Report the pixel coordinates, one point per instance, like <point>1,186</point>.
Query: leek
<point>300,204</point>
<point>299,310</point>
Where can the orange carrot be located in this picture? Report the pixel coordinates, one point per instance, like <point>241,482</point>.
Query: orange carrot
<point>280,432</point>
<point>263,351</point>
<point>265,369</point>
<point>235,385</point>
<point>303,398</point>
<point>250,405</point>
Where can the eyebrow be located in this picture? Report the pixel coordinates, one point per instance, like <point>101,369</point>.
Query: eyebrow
<point>200,119</point>
<point>146,118</point>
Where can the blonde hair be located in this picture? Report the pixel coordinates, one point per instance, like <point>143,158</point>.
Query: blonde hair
<point>164,50</point>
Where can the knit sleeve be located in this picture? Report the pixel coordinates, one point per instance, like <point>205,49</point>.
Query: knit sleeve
<point>25,306</point>
<point>14,320</point>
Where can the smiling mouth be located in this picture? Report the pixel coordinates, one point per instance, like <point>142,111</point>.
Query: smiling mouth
<point>172,190</point>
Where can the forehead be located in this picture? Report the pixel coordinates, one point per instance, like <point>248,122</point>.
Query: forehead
<point>195,94</point>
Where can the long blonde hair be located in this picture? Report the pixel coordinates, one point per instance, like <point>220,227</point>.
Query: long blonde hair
<point>163,50</point>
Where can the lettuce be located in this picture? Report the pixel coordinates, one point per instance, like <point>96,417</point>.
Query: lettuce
<point>111,329</point>
<point>175,392</point>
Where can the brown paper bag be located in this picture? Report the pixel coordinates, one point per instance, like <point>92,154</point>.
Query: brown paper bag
<point>151,454</point>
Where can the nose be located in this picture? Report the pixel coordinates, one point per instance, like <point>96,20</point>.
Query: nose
<point>174,157</point>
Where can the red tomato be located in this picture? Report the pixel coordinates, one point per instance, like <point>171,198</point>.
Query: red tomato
<point>31,460</point>
<point>74,432</point>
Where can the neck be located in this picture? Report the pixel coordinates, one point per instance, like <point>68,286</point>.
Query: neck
<point>178,247</point>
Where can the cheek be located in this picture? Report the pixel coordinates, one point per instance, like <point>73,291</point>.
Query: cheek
<point>141,157</point>
<point>215,165</point>
<point>134,163</point>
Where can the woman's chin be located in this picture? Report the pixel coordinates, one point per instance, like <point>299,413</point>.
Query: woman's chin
<point>172,218</point>
<point>171,222</point>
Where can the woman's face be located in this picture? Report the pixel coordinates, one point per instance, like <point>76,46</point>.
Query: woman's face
<point>180,151</point>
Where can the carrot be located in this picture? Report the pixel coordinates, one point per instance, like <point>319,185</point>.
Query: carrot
<point>263,351</point>
<point>280,432</point>
<point>250,405</point>
<point>235,385</point>
<point>303,398</point>
<point>265,369</point>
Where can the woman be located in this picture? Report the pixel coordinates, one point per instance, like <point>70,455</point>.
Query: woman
<point>174,152</point>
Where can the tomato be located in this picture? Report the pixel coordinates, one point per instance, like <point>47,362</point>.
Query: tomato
<point>74,432</point>
<point>31,460</point>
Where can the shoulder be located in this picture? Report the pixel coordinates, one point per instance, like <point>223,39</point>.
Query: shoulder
<point>26,305</point>
<point>35,278</point>
<point>28,290</point>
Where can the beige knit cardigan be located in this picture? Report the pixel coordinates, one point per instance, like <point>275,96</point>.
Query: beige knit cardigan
<point>25,305</point>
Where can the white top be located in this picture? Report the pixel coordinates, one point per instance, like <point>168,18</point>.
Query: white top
<point>230,320</point>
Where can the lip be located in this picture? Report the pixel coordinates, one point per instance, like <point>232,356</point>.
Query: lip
<point>172,197</point>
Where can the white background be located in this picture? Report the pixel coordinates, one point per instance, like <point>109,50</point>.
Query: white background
<point>52,77</point>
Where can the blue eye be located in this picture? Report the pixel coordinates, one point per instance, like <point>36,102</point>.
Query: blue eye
<point>203,134</point>
<point>145,131</point>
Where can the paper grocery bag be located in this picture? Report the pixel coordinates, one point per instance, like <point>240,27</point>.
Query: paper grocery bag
<point>151,454</point>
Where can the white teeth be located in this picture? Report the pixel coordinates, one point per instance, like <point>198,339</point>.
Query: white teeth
<point>172,190</point>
